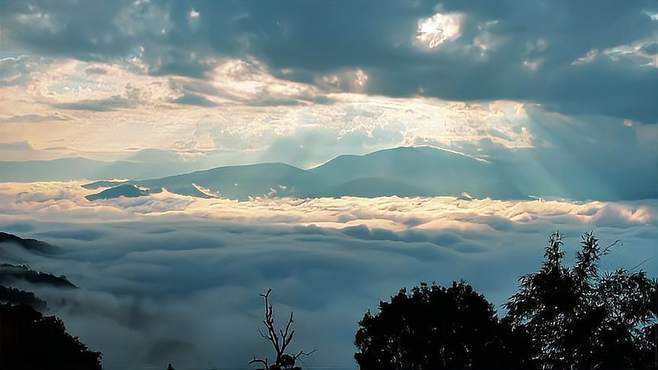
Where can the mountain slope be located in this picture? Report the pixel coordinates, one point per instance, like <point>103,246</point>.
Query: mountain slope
<point>31,245</point>
<point>143,164</point>
<point>371,187</point>
<point>240,182</point>
<point>12,273</point>
<point>124,190</point>
<point>437,171</point>
<point>405,171</point>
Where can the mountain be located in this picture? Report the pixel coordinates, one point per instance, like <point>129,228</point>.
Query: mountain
<point>239,182</point>
<point>15,296</point>
<point>50,170</point>
<point>404,171</point>
<point>143,164</point>
<point>429,170</point>
<point>31,245</point>
<point>11,273</point>
<point>372,187</point>
<point>103,184</point>
<point>124,190</point>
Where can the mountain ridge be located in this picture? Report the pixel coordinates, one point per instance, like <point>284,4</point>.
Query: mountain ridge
<point>402,171</point>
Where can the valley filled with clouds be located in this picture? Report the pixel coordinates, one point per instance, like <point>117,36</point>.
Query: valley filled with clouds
<point>167,277</point>
<point>186,156</point>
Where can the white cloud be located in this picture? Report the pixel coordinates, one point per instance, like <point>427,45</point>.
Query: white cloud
<point>65,201</point>
<point>240,107</point>
<point>642,52</point>
<point>589,57</point>
<point>167,278</point>
<point>438,29</point>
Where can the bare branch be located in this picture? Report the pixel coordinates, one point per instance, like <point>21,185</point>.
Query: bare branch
<point>279,338</point>
<point>607,249</point>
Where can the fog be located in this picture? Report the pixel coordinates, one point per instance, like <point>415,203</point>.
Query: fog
<point>167,278</point>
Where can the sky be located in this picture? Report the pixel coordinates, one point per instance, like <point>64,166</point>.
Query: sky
<point>304,81</point>
<point>564,91</point>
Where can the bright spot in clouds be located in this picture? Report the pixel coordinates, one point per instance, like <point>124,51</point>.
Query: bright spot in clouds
<point>438,29</point>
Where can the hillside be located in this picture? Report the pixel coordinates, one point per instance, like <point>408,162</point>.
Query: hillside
<point>404,171</point>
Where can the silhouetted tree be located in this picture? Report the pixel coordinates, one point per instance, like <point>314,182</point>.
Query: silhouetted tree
<point>280,340</point>
<point>30,341</point>
<point>434,327</point>
<point>580,318</point>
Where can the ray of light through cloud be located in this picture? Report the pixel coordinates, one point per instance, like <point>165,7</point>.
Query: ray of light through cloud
<point>554,102</point>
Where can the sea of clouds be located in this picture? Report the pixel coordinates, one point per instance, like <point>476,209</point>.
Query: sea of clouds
<point>168,278</point>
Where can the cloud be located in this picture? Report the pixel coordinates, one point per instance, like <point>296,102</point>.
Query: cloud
<point>66,201</point>
<point>438,29</point>
<point>166,278</point>
<point>31,118</point>
<point>17,70</point>
<point>486,53</point>
<point>101,105</point>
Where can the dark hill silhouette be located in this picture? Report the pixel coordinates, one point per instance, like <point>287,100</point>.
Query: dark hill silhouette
<point>19,297</point>
<point>126,190</point>
<point>31,245</point>
<point>31,341</point>
<point>12,273</point>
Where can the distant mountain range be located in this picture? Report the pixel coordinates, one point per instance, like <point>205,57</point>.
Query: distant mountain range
<point>404,171</point>
<point>143,164</point>
<point>13,273</point>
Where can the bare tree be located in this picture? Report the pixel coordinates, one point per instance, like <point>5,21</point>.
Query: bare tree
<point>280,340</point>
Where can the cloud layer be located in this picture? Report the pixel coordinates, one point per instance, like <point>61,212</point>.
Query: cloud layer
<point>304,81</point>
<point>591,58</point>
<point>168,278</point>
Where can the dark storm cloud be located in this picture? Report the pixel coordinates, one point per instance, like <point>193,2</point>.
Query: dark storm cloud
<point>305,40</point>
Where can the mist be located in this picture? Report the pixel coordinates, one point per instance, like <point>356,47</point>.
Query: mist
<point>168,278</point>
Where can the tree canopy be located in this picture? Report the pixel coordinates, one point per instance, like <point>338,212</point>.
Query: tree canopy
<point>579,317</point>
<point>561,317</point>
<point>433,327</point>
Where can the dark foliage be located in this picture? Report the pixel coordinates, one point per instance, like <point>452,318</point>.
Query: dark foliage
<point>20,297</point>
<point>580,318</point>
<point>433,327</point>
<point>30,341</point>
